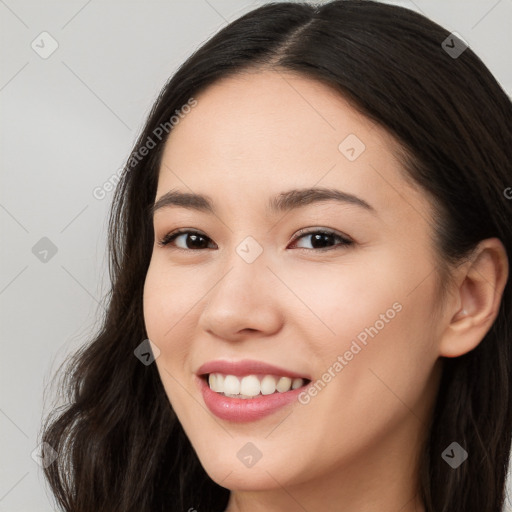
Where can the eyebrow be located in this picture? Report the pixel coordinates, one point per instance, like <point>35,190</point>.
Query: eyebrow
<point>282,202</point>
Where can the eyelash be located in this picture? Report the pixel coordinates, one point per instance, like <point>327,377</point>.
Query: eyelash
<point>345,242</point>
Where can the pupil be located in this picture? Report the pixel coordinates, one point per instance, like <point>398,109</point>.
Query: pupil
<point>321,238</point>
<point>194,239</point>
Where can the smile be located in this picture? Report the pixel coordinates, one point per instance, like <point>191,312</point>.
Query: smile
<point>251,386</point>
<point>248,390</point>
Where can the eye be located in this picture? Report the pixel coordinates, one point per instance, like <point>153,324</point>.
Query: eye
<point>319,238</point>
<point>197,239</point>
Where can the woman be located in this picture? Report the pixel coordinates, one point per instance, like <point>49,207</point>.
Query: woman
<point>310,304</point>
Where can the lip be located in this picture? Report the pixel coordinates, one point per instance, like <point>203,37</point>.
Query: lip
<point>240,410</point>
<point>247,367</point>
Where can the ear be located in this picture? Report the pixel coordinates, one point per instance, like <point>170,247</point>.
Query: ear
<point>477,299</point>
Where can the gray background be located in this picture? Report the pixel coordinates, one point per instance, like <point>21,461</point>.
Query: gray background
<point>68,124</point>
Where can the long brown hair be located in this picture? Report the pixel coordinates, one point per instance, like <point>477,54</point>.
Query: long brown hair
<point>120,444</point>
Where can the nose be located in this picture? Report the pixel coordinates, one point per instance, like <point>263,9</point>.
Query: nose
<point>244,300</point>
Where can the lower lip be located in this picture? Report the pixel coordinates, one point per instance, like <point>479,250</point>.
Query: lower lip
<point>240,410</point>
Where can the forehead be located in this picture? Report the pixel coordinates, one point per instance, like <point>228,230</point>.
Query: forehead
<point>258,114</point>
<point>256,134</point>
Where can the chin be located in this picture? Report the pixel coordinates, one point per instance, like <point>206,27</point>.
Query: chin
<point>243,479</point>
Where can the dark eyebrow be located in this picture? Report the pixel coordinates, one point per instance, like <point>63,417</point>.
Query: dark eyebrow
<point>283,202</point>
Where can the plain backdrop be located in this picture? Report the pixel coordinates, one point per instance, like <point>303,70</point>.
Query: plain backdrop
<point>68,122</point>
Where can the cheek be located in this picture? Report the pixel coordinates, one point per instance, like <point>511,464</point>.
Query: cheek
<point>387,349</point>
<point>340,302</point>
<point>167,308</point>
<point>378,318</point>
<point>168,297</point>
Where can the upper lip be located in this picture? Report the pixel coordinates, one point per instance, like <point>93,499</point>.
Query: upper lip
<point>246,367</point>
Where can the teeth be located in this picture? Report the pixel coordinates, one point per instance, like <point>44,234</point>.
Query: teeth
<point>251,385</point>
<point>268,385</point>
<point>231,385</point>
<point>297,383</point>
<point>284,384</point>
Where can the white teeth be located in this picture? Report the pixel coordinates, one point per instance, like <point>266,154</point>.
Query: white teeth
<point>251,385</point>
<point>268,385</point>
<point>212,381</point>
<point>219,382</point>
<point>284,384</point>
<point>297,383</point>
<point>231,385</point>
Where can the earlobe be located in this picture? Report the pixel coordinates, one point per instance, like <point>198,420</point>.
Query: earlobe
<point>478,298</point>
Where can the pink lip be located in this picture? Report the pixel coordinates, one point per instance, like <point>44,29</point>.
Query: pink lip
<point>247,367</point>
<point>240,410</point>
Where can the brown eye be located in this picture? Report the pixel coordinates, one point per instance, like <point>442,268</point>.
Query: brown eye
<point>195,241</point>
<point>323,240</point>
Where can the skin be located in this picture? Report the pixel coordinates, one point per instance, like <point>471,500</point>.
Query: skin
<point>355,445</point>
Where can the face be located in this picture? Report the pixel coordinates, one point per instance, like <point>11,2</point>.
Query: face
<point>339,291</point>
